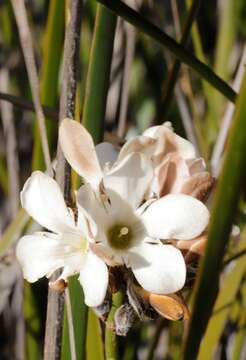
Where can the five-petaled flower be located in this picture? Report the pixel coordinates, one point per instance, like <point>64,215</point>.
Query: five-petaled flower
<point>127,228</point>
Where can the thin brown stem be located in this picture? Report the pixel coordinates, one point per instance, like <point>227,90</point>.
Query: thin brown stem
<point>27,47</point>
<point>27,105</point>
<point>55,310</point>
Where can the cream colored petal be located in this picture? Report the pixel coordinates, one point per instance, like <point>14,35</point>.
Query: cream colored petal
<point>92,206</point>
<point>42,198</point>
<point>41,254</point>
<point>142,144</point>
<point>131,178</point>
<point>159,269</point>
<point>176,216</point>
<point>94,279</point>
<point>79,150</point>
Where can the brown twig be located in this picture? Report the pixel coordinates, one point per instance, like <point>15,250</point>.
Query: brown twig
<point>27,47</point>
<point>27,105</point>
<point>55,307</point>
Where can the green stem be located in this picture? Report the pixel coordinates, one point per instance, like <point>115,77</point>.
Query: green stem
<point>223,212</point>
<point>111,341</point>
<point>98,77</point>
<point>179,51</point>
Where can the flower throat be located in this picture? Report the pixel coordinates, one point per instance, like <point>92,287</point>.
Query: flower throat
<point>120,237</point>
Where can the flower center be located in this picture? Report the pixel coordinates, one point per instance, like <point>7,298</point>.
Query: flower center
<point>120,237</point>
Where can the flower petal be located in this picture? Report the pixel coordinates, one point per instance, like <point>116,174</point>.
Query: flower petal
<point>94,279</point>
<point>131,178</point>
<point>176,216</point>
<point>43,253</point>
<point>159,269</point>
<point>92,206</point>
<point>79,150</point>
<point>42,198</point>
<point>168,141</point>
<point>106,153</point>
<point>142,144</point>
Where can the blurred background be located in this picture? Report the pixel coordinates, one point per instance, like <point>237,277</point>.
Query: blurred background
<point>144,90</point>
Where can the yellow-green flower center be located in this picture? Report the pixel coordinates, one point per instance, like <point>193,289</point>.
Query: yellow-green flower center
<point>120,237</point>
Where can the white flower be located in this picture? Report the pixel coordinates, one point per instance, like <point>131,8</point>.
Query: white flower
<point>177,169</point>
<point>67,246</point>
<point>126,232</point>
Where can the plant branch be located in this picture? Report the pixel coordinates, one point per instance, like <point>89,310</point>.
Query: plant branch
<point>174,72</point>
<point>55,308</point>
<point>163,39</point>
<point>27,47</point>
<point>27,105</point>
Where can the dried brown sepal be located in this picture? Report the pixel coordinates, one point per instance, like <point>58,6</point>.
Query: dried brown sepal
<point>171,307</point>
<point>193,248</point>
<point>58,285</point>
<point>199,186</point>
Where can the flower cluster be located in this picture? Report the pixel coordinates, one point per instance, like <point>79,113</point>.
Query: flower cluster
<point>136,209</point>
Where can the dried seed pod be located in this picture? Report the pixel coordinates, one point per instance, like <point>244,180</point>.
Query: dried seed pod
<point>138,298</point>
<point>171,307</point>
<point>124,318</point>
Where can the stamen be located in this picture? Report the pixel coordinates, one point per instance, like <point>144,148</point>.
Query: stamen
<point>120,237</point>
<point>123,231</point>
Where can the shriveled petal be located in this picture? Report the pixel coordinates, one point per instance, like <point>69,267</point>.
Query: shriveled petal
<point>168,141</point>
<point>106,153</point>
<point>171,174</point>
<point>198,185</point>
<point>171,307</point>
<point>131,178</point>
<point>159,269</point>
<point>94,279</point>
<point>196,165</point>
<point>142,144</point>
<point>152,131</point>
<point>42,198</point>
<point>43,253</point>
<point>176,216</point>
<point>79,150</point>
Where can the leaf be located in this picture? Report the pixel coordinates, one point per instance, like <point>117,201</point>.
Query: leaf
<point>94,344</point>
<point>227,295</point>
<point>97,82</point>
<point>222,216</point>
<point>162,38</point>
